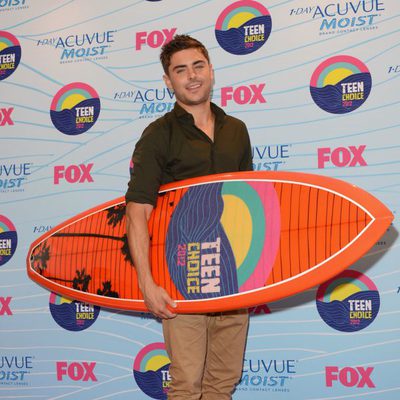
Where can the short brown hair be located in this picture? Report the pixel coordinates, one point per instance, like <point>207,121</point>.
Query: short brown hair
<point>178,43</point>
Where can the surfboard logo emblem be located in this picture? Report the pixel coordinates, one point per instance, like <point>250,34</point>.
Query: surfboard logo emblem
<point>243,27</point>
<point>8,239</point>
<point>248,215</point>
<point>340,84</point>
<point>10,54</point>
<point>75,108</point>
<point>151,370</point>
<point>349,302</point>
<point>72,315</point>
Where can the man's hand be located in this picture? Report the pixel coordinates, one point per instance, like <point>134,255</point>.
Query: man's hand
<point>157,301</point>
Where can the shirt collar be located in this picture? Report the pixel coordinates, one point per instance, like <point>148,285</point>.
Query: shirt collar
<point>182,114</point>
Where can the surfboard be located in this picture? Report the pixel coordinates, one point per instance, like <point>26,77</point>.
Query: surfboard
<point>218,242</point>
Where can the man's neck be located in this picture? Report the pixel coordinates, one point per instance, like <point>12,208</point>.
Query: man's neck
<point>202,113</point>
<point>203,117</point>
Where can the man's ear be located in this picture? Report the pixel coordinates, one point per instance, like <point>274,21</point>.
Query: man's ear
<point>167,81</point>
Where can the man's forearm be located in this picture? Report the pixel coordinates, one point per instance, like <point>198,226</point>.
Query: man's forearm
<point>137,216</point>
<point>155,297</point>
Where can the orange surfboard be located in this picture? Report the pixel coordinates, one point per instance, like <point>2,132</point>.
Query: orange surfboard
<point>218,242</point>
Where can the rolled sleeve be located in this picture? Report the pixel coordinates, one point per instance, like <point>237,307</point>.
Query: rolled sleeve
<point>149,159</point>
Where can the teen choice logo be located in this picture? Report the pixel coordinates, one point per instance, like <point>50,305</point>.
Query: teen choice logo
<point>348,302</point>
<point>243,27</point>
<point>340,84</point>
<point>222,238</point>
<point>151,371</point>
<point>8,239</point>
<point>71,314</point>
<point>75,108</point>
<point>10,54</point>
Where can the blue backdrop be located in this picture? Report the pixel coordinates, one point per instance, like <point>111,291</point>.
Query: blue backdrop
<point>318,87</point>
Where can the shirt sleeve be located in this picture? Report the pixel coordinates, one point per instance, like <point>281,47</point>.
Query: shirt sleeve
<point>149,159</point>
<point>246,164</point>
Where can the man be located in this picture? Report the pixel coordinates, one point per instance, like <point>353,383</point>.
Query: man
<point>196,138</point>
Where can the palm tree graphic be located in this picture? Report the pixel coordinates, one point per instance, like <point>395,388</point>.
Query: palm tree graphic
<point>39,260</point>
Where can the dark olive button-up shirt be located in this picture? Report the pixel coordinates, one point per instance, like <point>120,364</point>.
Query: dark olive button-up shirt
<point>172,148</point>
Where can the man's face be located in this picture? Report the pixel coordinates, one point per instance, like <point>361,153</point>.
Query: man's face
<point>190,76</point>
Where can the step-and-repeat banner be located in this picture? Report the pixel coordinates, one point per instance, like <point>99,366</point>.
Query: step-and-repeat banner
<point>317,83</point>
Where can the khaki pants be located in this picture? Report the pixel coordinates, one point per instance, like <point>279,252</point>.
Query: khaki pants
<point>206,353</point>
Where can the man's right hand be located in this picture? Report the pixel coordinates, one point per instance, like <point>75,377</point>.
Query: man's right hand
<point>158,301</point>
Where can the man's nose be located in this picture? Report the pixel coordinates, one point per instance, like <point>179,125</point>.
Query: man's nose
<point>191,73</point>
